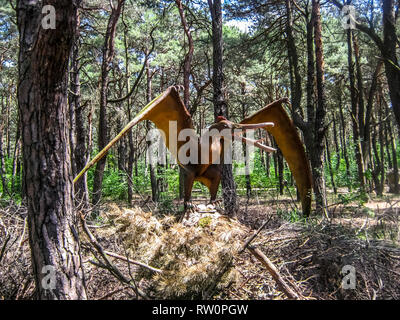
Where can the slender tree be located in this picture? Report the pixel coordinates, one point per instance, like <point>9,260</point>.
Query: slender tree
<point>220,105</point>
<point>317,164</point>
<point>107,57</point>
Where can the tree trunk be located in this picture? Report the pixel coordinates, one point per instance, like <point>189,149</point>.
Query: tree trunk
<point>47,176</point>
<point>336,141</point>
<point>220,106</point>
<point>244,145</point>
<point>296,91</point>
<point>328,161</point>
<point>392,67</point>
<point>102,139</point>
<point>317,155</point>
<point>80,155</point>
<point>355,112</point>
<point>2,156</point>
<point>186,82</point>
<point>343,140</point>
<point>280,170</point>
<point>153,178</point>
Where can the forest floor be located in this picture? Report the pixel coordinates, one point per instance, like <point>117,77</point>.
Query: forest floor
<point>202,258</point>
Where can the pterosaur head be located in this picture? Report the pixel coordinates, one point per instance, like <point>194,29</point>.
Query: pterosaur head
<point>237,129</point>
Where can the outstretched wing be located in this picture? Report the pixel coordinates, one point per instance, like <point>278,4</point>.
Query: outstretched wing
<point>167,107</point>
<point>288,140</point>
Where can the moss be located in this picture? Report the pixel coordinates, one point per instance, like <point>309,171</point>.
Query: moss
<point>204,222</point>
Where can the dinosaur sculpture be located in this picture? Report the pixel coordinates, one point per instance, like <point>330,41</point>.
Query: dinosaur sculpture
<point>205,167</point>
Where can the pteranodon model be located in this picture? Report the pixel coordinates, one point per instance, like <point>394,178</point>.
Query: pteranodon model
<point>169,107</point>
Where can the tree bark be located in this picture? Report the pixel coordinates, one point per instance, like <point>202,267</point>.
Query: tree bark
<point>220,106</point>
<point>80,155</point>
<point>389,53</point>
<point>320,115</point>
<point>47,176</point>
<point>356,113</point>
<point>107,57</point>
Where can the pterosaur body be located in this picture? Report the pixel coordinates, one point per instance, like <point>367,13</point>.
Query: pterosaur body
<point>204,166</point>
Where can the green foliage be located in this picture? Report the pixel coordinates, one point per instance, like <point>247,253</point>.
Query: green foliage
<point>13,183</point>
<point>114,185</point>
<point>360,197</point>
<point>292,215</point>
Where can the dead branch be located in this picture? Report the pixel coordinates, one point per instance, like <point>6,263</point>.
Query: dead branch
<point>254,235</point>
<point>274,272</point>
<point>117,256</point>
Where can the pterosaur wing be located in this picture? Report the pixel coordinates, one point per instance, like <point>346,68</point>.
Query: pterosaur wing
<point>288,140</point>
<point>166,111</point>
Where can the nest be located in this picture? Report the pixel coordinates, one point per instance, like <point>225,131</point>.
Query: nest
<point>195,256</point>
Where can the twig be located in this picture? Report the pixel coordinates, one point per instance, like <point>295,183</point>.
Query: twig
<point>114,255</point>
<point>254,235</point>
<point>21,240</point>
<point>3,249</point>
<point>274,272</point>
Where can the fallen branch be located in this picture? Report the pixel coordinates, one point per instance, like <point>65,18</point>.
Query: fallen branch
<point>246,244</point>
<point>274,272</point>
<point>117,256</point>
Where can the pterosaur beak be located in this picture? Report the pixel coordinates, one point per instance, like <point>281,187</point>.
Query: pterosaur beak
<point>253,126</point>
<point>258,144</point>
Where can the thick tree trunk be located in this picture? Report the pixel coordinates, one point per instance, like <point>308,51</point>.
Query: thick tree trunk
<point>42,98</point>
